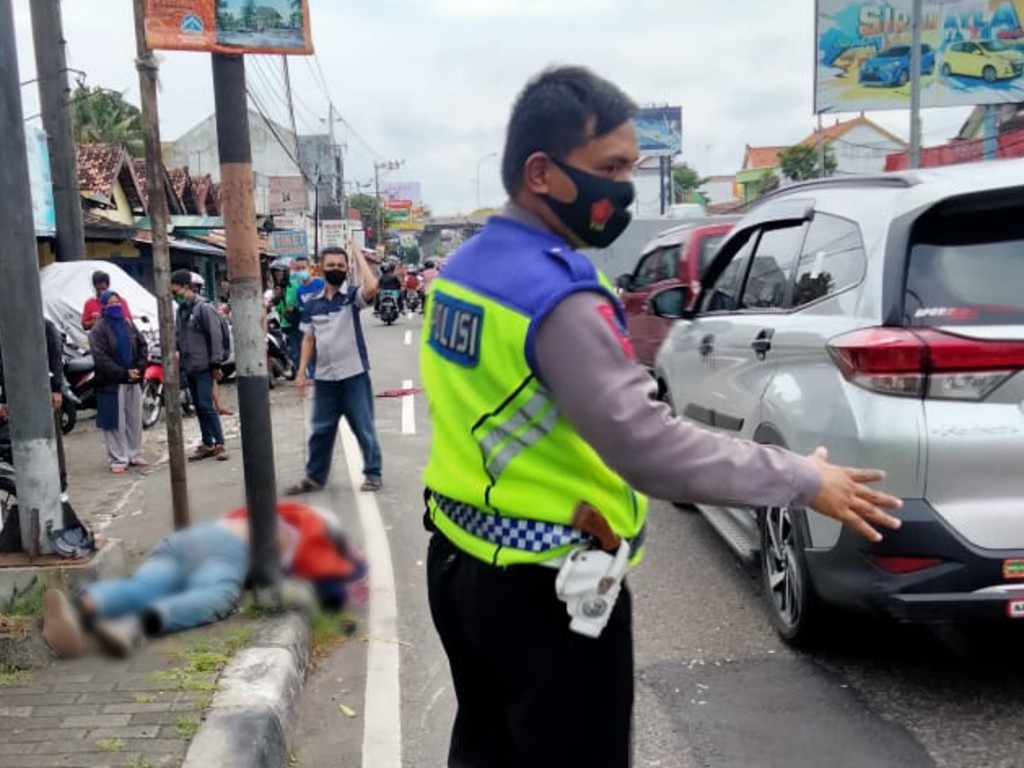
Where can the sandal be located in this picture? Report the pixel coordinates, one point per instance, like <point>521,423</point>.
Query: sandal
<point>303,486</point>
<point>118,469</point>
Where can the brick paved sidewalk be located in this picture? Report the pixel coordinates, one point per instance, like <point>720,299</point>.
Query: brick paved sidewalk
<point>93,711</point>
<point>140,713</point>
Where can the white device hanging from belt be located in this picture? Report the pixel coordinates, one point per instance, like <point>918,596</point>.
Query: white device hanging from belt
<point>590,580</point>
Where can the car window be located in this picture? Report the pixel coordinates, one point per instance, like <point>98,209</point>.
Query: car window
<point>967,269</point>
<point>646,270</point>
<point>833,259</point>
<point>776,253</point>
<point>669,265</point>
<point>707,250</point>
<point>671,302</point>
<point>722,295</point>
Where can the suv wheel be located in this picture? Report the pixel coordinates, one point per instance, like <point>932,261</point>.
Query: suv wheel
<point>902,78</point>
<point>794,608</point>
<point>989,73</point>
<point>946,70</point>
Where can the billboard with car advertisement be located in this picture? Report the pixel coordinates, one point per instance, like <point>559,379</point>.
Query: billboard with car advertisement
<point>659,130</point>
<point>229,26</point>
<point>402,190</point>
<point>972,53</point>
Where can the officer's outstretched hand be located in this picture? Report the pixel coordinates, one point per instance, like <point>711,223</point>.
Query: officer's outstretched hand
<point>846,497</point>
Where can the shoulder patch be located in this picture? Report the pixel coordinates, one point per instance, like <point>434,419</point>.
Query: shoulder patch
<point>455,327</point>
<point>607,311</point>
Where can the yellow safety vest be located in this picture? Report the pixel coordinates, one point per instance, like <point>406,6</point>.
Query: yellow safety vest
<point>506,469</point>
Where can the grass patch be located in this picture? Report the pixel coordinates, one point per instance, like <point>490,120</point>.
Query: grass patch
<point>237,639</point>
<point>137,761</point>
<point>203,700</point>
<point>29,602</point>
<point>143,698</point>
<point>187,726</point>
<point>12,675</point>
<point>330,630</point>
<point>111,745</point>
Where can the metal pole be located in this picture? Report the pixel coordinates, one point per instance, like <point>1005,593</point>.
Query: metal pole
<point>22,333</point>
<point>316,217</point>
<point>159,216</point>
<point>915,84</point>
<point>52,68</point>
<point>239,210</point>
<point>991,141</point>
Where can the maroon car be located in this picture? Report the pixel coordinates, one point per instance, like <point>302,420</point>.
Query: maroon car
<point>675,258</point>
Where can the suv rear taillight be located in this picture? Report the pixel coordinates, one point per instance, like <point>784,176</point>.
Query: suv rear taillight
<point>923,362</point>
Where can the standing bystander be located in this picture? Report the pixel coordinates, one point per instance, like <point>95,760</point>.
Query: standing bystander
<point>93,309</point>
<point>342,386</point>
<point>202,350</point>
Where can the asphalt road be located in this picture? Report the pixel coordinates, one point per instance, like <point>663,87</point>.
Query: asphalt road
<point>715,687</point>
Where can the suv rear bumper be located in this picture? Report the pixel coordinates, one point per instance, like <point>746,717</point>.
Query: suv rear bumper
<point>969,585</point>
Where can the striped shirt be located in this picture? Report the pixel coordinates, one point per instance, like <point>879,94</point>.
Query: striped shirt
<point>334,323</point>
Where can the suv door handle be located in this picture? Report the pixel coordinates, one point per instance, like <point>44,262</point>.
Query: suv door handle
<point>706,347</point>
<point>762,344</point>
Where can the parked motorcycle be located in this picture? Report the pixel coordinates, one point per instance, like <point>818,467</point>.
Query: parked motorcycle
<point>153,386</point>
<point>388,308</point>
<point>80,372</point>
<point>279,364</point>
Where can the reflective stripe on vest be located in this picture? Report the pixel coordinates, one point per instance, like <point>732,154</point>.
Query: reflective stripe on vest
<point>519,432</point>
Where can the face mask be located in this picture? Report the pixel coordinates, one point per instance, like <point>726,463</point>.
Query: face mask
<point>301,276</point>
<point>116,311</point>
<point>599,213</point>
<point>335,277</point>
<point>180,298</point>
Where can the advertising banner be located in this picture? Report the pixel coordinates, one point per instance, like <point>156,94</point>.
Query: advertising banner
<point>659,130</point>
<point>286,194</point>
<point>44,214</point>
<point>290,243</point>
<point>333,234</point>
<point>972,53</point>
<point>229,26</point>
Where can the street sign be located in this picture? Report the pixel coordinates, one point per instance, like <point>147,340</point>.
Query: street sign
<point>333,234</point>
<point>290,243</point>
<point>229,26</point>
<point>286,194</point>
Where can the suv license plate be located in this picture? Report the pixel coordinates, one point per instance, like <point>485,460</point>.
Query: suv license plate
<point>1015,609</point>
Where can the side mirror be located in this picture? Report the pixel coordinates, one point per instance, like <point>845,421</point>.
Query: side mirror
<point>624,282</point>
<point>671,303</point>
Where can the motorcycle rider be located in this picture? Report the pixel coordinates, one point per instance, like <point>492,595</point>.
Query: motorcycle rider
<point>389,281</point>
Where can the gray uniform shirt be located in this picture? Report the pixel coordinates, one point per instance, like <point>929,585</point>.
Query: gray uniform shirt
<point>612,403</point>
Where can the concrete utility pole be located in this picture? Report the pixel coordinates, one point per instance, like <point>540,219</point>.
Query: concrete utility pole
<point>917,22</point>
<point>22,334</point>
<point>239,210</point>
<point>54,92</point>
<point>159,215</point>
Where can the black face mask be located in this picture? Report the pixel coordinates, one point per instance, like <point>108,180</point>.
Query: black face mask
<point>335,277</point>
<point>599,213</point>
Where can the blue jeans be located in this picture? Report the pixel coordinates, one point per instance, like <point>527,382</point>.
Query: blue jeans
<point>352,399</point>
<point>192,577</point>
<point>201,386</point>
<point>294,338</point>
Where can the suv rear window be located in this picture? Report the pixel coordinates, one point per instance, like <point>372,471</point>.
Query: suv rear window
<point>968,269</point>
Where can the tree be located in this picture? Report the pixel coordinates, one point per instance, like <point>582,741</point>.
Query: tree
<point>768,182</point>
<point>687,183</point>
<point>249,14</point>
<point>99,115</point>
<point>801,162</point>
<point>296,18</point>
<point>225,18</point>
<point>369,209</point>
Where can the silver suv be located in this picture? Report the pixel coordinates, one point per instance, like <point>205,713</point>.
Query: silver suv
<point>881,317</point>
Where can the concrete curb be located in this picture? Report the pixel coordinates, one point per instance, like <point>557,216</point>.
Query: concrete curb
<point>252,719</point>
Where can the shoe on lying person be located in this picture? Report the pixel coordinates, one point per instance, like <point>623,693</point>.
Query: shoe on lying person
<point>62,626</point>
<point>120,637</point>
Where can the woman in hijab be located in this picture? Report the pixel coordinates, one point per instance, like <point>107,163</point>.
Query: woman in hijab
<point>119,352</point>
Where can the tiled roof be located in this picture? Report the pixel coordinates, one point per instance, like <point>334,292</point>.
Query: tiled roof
<point>98,166</point>
<point>838,130</point>
<point>179,180</point>
<point>762,157</point>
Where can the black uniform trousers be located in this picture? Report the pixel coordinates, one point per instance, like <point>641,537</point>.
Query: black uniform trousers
<point>531,693</point>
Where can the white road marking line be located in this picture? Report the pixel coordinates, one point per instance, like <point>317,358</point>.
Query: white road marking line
<point>408,338</point>
<point>382,719</point>
<point>408,410</point>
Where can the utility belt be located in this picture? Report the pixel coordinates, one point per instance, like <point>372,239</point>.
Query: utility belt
<point>589,576</point>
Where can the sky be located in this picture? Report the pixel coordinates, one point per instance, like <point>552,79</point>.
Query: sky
<point>431,82</point>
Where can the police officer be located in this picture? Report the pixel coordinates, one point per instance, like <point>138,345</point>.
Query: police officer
<point>546,434</point>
